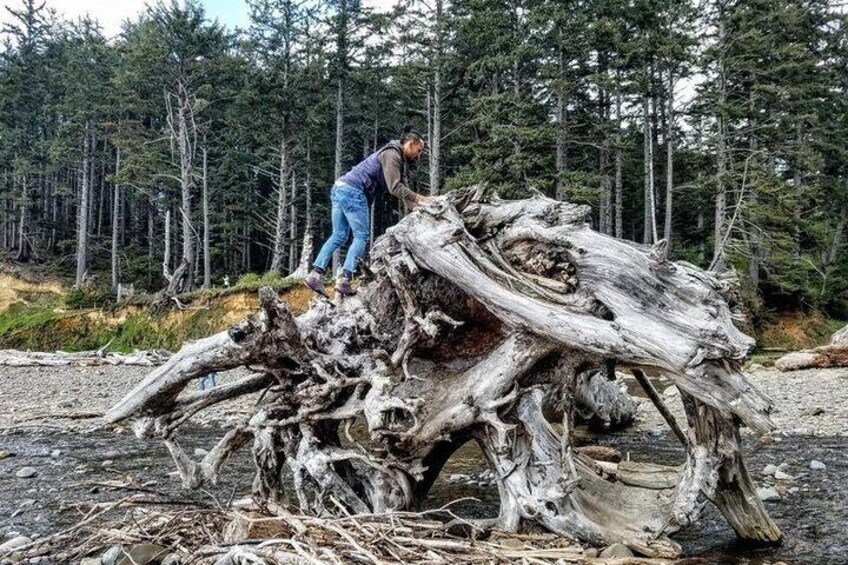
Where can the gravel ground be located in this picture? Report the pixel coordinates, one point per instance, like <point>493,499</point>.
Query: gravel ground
<point>811,409</point>
<point>72,396</point>
<point>813,402</point>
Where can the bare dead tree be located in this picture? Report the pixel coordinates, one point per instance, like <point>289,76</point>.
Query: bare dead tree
<point>83,211</point>
<point>720,219</point>
<point>305,263</point>
<point>434,96</point>
<point>649,231</point>
<point>293,227</point>
<point>207,260</point>
<point>280,228</point>
<point>25,251</point>
<point>183,133</point>
<point>116,212</point>
<point>669,166</point>
<point>619,166</point>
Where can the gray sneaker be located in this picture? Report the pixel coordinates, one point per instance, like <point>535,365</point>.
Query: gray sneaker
<point>343,287</point>
<point>315,281</point>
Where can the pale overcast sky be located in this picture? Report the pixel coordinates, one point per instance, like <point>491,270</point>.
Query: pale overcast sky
<point>110,13</point>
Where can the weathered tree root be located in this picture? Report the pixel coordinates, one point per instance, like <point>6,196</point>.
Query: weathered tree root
<point>484,321</point>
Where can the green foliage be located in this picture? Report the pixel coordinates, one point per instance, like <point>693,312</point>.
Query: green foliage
<point>253,281</point>
<point>535,96</point>
<point>43,329</point>
<point>796,330</point>
<point>25,328</point>
<point>79,298</point>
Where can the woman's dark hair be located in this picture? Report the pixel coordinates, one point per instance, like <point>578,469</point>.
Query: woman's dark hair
<point>410,134</point>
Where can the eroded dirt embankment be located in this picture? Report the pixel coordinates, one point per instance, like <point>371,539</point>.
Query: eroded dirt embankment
<point>15,290</point>
<point>36,317</point>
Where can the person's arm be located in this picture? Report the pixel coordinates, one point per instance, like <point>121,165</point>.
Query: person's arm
<point>392,164</point>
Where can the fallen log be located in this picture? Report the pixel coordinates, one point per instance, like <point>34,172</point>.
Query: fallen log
<point>15,358</point>
<point>840,337</point>
<point>833,355</point>
<point>480,323</point>
<point>819,358</point>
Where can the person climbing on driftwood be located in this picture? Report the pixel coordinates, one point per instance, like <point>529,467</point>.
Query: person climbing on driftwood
<point>351,196</point>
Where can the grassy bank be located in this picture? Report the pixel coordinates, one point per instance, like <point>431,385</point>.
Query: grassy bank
<point>44,317</point>
<point>69,321</point>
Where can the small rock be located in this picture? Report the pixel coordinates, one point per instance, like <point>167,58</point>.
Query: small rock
<point>616,550</point>
<point>601,453</point>
<point>172,559</point>
<point>655,432</point>
<point>108,463</point>
<point>793,490</point>
<point>142,554</point>
<point>767,494</point>
<point>755,367</point>
<point>14,543</point>
<point>814,411</point>
<point>781,476</point>
<point>200,452</point>
<point>55,453</point>
<point>91,561</point>
<point>26,472</point>
<point>5,454</point>
<point>513,543</point>
<point>27,502</point>
<point>769,470</point>
<point>590,553</point>
<point>817,465</point>
<point>111,555</point>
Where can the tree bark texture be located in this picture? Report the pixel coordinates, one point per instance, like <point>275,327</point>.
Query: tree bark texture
<point>484,321</point>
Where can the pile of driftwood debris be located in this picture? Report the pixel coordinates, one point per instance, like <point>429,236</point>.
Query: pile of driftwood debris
<point>136,530</point>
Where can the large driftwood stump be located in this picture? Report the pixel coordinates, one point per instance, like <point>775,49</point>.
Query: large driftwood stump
<point>486,322</point>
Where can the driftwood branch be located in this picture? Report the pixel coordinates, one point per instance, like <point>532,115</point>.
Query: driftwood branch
<point>15,358</point>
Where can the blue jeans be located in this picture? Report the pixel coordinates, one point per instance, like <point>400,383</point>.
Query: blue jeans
<point>350,213</point>
<point>213,377</point>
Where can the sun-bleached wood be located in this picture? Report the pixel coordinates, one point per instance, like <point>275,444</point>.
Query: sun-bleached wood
<point>484,321</point>
<point>835,354</point>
